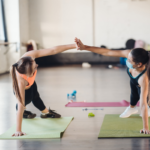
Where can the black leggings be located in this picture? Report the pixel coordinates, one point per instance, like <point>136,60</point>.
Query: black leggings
<point>135,94</point>
<point>32,95</point>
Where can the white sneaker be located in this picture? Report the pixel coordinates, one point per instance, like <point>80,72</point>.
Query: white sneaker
<point>128,112</point>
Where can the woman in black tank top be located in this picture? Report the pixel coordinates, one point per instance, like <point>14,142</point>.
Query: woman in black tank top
<point>138,64</point>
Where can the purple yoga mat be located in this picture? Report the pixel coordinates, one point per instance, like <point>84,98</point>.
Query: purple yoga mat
<point>123,103</point>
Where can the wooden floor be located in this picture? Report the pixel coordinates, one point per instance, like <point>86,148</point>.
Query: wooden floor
<point>94,84</point>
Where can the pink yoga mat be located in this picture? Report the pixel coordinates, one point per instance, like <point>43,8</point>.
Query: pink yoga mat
<point>123,103</point>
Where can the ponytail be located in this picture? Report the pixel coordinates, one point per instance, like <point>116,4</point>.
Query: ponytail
<point>15,83</point>
<point>148,74</point>
<point>23,66</point>
<point>148,66</point>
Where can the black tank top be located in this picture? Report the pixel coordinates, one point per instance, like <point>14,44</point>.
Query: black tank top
<point>134,80</point>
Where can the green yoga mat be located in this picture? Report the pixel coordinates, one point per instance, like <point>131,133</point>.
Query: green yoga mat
<point>115,127</point>
<point>40,128</point>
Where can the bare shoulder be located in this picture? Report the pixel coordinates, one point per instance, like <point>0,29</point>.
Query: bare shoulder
<point>30,54</point>
<point>126,52</point>
<point>143,80</point>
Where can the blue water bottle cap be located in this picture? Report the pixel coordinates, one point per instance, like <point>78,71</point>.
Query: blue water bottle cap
<point>74,91</point>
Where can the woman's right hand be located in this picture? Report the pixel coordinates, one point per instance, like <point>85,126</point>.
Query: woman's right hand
<point>145,131</point>
<point>79,44</point>
<point>18,133</point>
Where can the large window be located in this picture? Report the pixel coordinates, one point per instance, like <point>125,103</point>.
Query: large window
<point>2,22</point>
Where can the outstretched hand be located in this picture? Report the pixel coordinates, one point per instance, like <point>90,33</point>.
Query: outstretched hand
<point>79,44</point>
<point>144,131</point>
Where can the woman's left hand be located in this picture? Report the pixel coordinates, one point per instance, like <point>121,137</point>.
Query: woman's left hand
<point>79,44</point>
<point>145,131</point>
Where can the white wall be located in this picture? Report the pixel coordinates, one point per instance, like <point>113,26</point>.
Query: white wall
<point>24,20</point>
<point>118,20</point>
<point>13,32</point>
<point>17,24</point>
<point>55,22</point>
<point>24,24</point>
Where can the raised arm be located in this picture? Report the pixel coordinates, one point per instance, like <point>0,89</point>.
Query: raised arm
<point>49,51</point>
<point>102,51</point>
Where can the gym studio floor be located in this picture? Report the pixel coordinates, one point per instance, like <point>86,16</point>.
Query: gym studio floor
<point>93,84</point>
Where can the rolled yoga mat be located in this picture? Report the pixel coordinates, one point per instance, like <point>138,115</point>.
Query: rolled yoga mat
<point>123,103</point>
<point>115,127</point>
<point>38,128</point>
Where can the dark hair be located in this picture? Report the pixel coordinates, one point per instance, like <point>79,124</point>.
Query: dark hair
<point>23,66</point>
<point>140,55</point>
<point>148,66</point>
<point>130,44</point>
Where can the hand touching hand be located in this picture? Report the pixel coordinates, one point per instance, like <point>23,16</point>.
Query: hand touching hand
<point>79,44</point>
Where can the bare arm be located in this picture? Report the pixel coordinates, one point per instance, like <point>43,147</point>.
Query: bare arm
<point>143,82</point>
<point>102,51</point>
<point>50,51</point>
<point>20,111</point>
<point>108,52</point>
<point>19,117</point>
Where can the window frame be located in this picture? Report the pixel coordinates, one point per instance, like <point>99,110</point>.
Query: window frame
<point>3,36</point>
